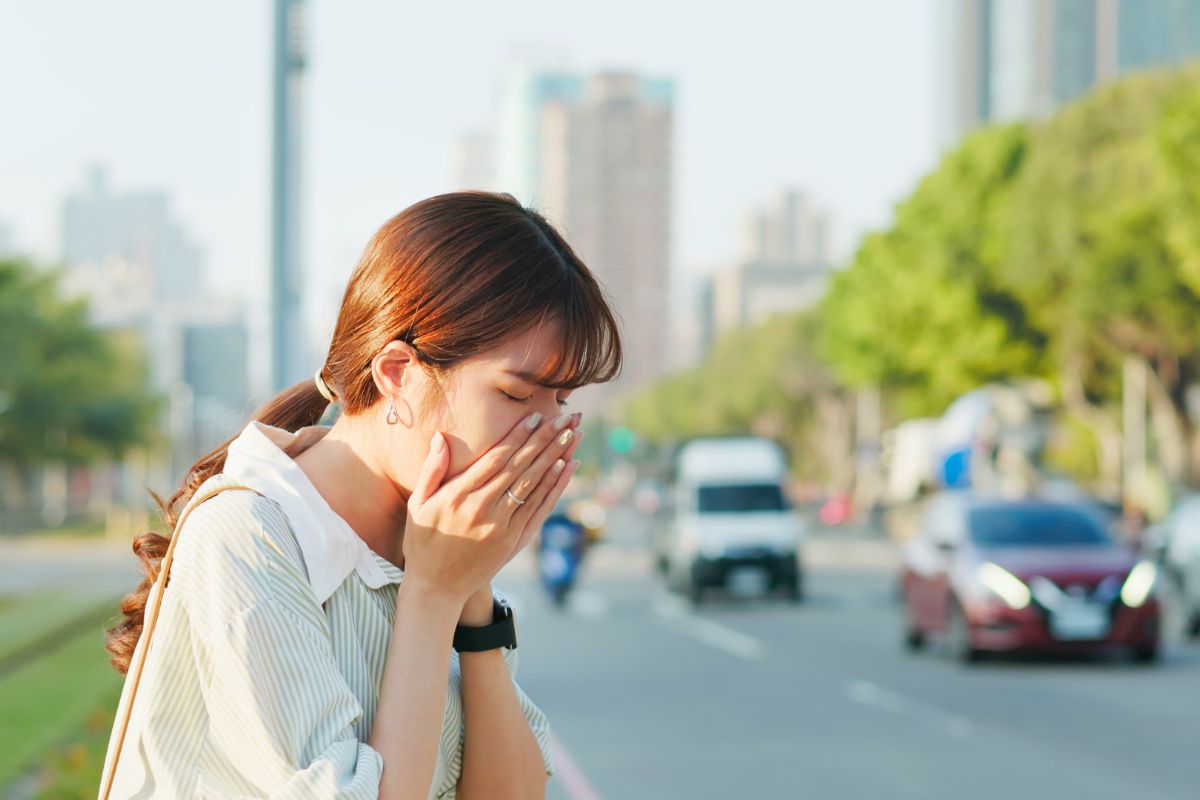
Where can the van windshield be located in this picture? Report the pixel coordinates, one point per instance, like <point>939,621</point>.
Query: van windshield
<point>740,498</point>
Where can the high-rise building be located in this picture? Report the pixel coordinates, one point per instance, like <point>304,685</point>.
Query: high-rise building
<point>784,267</point>
<point>525,91</point>
<point>132,233</point>
<point>605,180</point>
<point>142,275</point>
<point>1021,59</point>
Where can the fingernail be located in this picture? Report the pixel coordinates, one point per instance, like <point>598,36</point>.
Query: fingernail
<point>579,436</point>
<point>574,464</point>
<point>557,466</point>
<point>561,420</point>
<point>577,417</point>
<point>565,436</point>
<point>435,444</point>
<point>533,420</point>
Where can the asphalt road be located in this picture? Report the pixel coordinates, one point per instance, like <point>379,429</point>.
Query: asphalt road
<point>649,699</point>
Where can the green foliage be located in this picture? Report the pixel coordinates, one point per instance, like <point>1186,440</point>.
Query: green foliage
<point>67,391</point>
<point>48,699</point>
<point>763,379</point>
<point>923,308</point>
<point>1107,216</point>
<point>1054,249</point>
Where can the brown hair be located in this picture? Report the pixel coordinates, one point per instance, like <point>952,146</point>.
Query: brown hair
<point>452,276</point>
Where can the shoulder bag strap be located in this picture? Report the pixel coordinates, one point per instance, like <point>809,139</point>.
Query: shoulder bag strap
<point>148,622</point>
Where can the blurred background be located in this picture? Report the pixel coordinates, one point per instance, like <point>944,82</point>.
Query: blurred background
<point>895,495</point>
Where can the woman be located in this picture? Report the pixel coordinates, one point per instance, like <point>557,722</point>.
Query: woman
<point>329,627</point>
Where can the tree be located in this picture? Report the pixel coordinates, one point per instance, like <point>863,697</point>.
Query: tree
<point>1105,251</point>
<point>68,392</point>
<point>922,310</point>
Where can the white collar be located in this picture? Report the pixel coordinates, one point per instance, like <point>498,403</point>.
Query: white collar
<point>261,458</point>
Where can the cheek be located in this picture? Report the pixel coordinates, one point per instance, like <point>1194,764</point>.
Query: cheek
<point>478,424</point>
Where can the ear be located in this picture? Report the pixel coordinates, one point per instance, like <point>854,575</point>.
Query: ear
<point>392,367</point>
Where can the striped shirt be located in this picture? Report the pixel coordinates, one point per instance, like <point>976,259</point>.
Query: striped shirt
<point>264,669</point>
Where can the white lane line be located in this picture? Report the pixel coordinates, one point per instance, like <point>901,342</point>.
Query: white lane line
<point>875,696</point>
<point>675,617</point>
<point>569,773</point>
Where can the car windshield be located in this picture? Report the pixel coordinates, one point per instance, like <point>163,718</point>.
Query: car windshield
<point>1025,526</point>
<point>740,498</point>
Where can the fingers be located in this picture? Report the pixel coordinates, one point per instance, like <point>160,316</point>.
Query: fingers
<point>433,470</point>
<point>487,465</point>
<point>544,496</point>
<point>550,494</point>
<point>555,435</point>
<point>528,481</point>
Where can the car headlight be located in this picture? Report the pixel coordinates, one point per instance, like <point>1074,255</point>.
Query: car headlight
<point>1139,584</point>
<point>1008,587</point>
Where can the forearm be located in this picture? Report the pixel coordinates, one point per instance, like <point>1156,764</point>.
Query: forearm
<point>412,698</point>
<point>501,757</point>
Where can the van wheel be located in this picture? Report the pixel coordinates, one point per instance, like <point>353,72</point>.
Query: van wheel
<point>795,591</point>
<point>914,639</point>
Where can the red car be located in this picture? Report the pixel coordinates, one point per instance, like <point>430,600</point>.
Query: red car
<point>990,575</point>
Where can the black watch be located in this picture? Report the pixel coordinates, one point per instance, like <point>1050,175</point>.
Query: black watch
<point>501,633</point>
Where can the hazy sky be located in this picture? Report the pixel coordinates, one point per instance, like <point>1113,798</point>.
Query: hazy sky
<point>834,96</point>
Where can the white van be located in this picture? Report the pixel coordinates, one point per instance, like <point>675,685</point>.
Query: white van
<point>730,523</point>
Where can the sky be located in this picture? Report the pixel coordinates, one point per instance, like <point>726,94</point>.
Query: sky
<point>835,98</point>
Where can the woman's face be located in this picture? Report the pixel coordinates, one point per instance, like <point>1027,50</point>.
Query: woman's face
<point>485,396</point>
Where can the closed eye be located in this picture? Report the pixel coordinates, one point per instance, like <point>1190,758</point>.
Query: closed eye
<point>526,399</point>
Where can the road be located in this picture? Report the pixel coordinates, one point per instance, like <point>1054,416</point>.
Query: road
<point>649,699</point>
<point>746,697</point>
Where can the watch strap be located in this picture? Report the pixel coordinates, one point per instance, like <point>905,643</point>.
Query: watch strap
<point>501,633</point>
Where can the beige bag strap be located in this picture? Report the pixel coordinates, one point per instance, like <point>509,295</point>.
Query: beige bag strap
<point>148,621</point>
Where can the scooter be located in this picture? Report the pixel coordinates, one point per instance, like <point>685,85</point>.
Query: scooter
<point>560,553</point>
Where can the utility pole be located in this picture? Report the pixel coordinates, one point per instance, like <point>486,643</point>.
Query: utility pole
<point>288,337</point>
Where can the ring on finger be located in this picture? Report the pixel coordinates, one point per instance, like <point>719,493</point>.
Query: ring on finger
<point>514,498</point>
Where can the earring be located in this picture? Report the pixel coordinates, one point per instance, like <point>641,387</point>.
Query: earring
<point>392,416</point>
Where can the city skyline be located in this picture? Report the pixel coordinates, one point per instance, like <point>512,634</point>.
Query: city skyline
<point>199,128</point>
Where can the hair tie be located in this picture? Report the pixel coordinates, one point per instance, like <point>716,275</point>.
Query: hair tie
<point>323,387</point>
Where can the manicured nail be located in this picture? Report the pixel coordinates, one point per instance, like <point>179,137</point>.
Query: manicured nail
<point>565,436</point>
<point>533,420</point>
<point>557,466</point>
<point>577,417</point>
<point>574,464</point>
<point>560,421</point>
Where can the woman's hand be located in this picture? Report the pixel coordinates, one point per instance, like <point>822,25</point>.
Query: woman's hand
<point>460,533</point>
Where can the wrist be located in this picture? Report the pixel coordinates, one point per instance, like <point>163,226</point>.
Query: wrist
<point>428,603</point>
<point>477,612</point>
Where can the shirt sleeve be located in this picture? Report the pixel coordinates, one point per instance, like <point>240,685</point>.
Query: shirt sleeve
<point>538,724</point>
<point>282,718</point>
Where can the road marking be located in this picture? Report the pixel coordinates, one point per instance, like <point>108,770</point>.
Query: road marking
<point>875,696</point>
<point>674,615</point>
<point>569,773</point>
